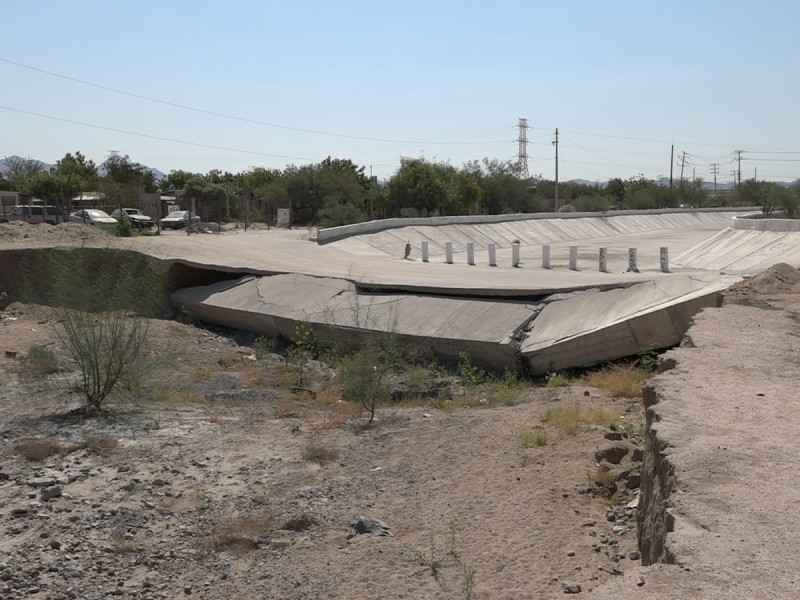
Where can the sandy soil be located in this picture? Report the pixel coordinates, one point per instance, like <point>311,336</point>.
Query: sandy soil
<point>208,477</point>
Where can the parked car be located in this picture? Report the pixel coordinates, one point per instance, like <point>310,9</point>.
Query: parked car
<point>92,216</point>
<point>137,218</point>
<point>178,220</point>
<point>36,213</point>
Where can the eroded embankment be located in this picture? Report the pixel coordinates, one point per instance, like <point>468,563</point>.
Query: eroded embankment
<point>658,482</point>
<point>719,494</point>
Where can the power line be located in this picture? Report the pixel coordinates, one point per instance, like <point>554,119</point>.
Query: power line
<point>225,115</point>
<point>152,137</point>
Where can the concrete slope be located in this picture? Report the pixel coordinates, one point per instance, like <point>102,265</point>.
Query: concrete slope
<point>741,251</point>
<point>337,314</point>
<point>533,232</point>
<point>592,329</point>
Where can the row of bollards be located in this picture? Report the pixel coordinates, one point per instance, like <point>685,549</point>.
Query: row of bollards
<point>633,265</point>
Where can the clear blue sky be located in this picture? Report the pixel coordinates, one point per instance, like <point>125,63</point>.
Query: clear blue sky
<point>376,81</point>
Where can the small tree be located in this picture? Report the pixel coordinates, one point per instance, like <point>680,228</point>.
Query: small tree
<point>363,375</point>
<point>101,299</point>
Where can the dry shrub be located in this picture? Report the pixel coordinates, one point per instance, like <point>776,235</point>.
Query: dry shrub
<point>619,381</point>
<point>300,523</point>
<point>319,454</point>
<point>184,396</point>
<point>101,445</point>
<point>229,359</point>
<point>38,450</point>
<point>120,542</point>
<point>237,534</point>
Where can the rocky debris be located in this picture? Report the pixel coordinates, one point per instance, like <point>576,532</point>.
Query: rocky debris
<point>612,453</point>
<point>363,525</point>
<point>570,588</point>
<point>48,493</point>
<point>4,301</point>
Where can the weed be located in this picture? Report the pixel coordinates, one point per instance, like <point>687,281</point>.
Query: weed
<point>469,374</point>
<point>648,361</point>
<point>263,346</point>
<point>300,354</point>
<point>319,454</point>
<point>621,381</point>
<point>229,359</point>
<point>363,379</point>
<point>573,419</point>
<point>433,561</point>
<point>558,380</point>
<point>40,361</point>
<point>529,438</point>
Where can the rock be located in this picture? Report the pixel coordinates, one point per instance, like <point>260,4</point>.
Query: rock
<point>370,525</point>
<point>570,588</point>
<point>633,480</point>
<point>42,482</point>
<point>614,436</point>
<point>55,544</point>
<point>16,513</point>
<point>613,453</point>
<point>588,523</point>
<point>4,476</point>
<point>635,555</point>
<point>4,300</point>
<point>48,493</point>
<point>638,455</point>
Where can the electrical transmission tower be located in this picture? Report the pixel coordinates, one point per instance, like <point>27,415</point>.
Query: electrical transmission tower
<point>522,157</point>
<point>682,164</point>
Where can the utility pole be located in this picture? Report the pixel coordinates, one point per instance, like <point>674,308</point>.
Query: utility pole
<point>671,164</point>
<point>522,156</point>
<point>555,143</point>
<point>739,158</point>
<point>371,183</point>
<point>734,179</point>
<point>683,164</point>
<point>714,171</point>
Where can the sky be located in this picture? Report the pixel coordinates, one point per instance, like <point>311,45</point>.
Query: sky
<point>232,85</point>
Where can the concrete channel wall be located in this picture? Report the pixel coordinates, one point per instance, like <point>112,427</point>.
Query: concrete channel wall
<point>516,222</point>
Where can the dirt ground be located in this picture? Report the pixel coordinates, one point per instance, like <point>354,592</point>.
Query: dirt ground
<point>208,476</point>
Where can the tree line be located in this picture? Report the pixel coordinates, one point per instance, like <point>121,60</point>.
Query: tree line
<point>336,191</point>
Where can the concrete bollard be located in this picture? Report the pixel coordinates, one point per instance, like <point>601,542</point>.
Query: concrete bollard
<point>632,263</point>
<point>546,256</point>
<point>603,260</point>
<point>514,255</point>
<point>664,259</point>
<point>492,255</point>
<point>470,253</point>
<point>573,258</point>
<point>448,253</point>
<point>424,251</point>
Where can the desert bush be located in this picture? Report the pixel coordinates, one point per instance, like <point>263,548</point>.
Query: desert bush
<point>40,361</point>
<point>319,454</point>
<point>301,352</point>
<point>572,419</point>
<point>101,301</point>
<point>530,438</point>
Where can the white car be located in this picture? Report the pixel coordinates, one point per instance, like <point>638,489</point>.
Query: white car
<point>178,219</point>
<point>92,216</point>
<point>137,218</point>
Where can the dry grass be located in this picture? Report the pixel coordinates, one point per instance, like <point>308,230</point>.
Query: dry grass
<point>532,437</point>
<point>38,450</point>
<point>237,534</point>
<point>603,477</point>
<point>619,381</point>
<point>319,454</point>
<point>573,419</point>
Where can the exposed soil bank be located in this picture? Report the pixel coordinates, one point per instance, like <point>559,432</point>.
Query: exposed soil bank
<point>718,502</point>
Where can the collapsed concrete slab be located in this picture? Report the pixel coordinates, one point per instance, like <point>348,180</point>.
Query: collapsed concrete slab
<point>339,315</point>
<point>592,329</point>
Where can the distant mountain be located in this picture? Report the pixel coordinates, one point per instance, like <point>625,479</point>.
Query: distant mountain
<point>4,163</point>
<point>101,169</point>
